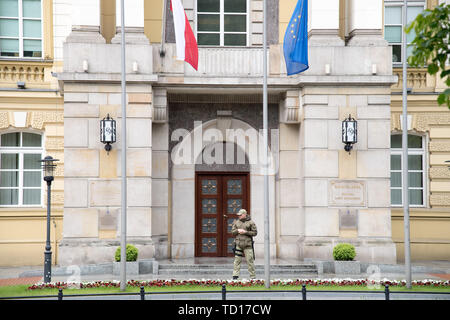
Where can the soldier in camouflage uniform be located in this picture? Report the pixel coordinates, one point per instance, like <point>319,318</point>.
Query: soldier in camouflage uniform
<point>244,230</point>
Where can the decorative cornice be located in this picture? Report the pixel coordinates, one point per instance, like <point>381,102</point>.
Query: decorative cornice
<point>4,119</point>
<point>421,122</point>
<point>160,105</point>
<point>416,79</point>
<point>290,108</point>
<point>395,122</point>
<point>219,98</point>
<point>35,120</point>
<point>440,199</point>
<point>440,145</point>
<point>29,72</point>
<point>439,173</point>
<point>38,119</point>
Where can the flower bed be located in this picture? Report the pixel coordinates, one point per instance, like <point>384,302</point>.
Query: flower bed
<point>241,283</point>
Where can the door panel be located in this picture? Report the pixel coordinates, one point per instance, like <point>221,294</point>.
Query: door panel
<point>235,198</point>
<point>208,225</point>
<point>218,199</point>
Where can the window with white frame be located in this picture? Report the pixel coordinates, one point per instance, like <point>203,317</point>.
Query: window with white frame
<point>416,170</point>
<point>222,22</point>
<point>20,169</point>
<point>393,25</point>
<point>21,28</point>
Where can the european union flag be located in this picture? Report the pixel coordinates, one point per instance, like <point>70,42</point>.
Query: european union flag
<point>296,40</point>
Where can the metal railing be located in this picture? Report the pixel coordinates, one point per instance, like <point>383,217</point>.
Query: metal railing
<point>142,293</point>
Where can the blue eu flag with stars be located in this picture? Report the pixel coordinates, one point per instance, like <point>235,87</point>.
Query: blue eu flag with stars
<point>296,40</point>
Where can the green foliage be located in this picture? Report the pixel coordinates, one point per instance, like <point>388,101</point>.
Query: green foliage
<point>431,44</point>
<point>344,252</point>
<point>132,253</point>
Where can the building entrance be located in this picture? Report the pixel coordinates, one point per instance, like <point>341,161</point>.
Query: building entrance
<point>219,197</point>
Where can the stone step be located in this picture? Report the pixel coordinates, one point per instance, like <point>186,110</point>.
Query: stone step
<point>225,269</point>
<point>227,266</point>
<point>229,271</point>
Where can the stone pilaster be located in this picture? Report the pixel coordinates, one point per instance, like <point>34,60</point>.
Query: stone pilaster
<point>323,23</point>
<point>134,22</point>
<point>364,23</point>
<point>290,215</point>
<point>85,22</point>
<point>160,188</point>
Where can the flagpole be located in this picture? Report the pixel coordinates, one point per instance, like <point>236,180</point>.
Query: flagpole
<point>405,181</point>
<point>266,177</point>
<point>162,51</point>
<point>123,234</point>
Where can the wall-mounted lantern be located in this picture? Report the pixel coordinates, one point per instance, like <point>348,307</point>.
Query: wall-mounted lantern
<point>349,133</point>
<point>108,132</point>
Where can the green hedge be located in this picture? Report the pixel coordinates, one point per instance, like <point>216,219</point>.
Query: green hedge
<point>132,253</point>
<point>344,252</point>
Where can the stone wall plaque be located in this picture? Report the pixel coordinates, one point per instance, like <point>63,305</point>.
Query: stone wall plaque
<point>348,219</point>
<point>107,219</point>
<point>347,193</point>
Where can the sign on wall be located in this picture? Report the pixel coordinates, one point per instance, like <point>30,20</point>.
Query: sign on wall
<point>347,193</point>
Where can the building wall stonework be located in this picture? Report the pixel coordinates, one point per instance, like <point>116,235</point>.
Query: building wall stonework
<point>37,109</point>
<point>325,161</point>
<point>23,229</point>
<point>165,95</point>
<point>93,175</point>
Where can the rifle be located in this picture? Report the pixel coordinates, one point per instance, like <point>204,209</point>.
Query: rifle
<point>253,248</point>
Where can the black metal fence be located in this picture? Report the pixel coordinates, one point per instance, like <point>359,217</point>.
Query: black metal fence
<point>303,293</point>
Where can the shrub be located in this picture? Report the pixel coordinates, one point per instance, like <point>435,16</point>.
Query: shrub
<point>132,253</point>
<point>344,252</point>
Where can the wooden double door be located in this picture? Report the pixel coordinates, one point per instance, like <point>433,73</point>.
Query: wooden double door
<point>219,197</point>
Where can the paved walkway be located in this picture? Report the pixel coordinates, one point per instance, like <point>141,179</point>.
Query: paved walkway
<point>12,275</point>
<point>19,281</point>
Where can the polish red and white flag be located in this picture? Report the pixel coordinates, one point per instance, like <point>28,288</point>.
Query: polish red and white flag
<point>187,49</point>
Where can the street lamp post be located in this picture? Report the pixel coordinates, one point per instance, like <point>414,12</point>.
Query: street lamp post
<point>48,167</point>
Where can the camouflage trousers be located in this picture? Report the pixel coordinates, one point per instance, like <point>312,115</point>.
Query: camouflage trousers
<point>250,262</point>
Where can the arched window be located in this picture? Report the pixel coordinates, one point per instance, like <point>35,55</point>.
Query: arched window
<point>416,170</point>
<point>222,22</point>
<point>20,169</point>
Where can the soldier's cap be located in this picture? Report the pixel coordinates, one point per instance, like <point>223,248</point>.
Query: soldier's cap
<point>242,211</point>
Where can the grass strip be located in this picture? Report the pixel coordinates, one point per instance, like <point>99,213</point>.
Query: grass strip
<point>23,291</point>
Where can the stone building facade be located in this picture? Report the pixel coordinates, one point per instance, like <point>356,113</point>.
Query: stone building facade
<point>429,123</point>
<point>179,204</point>
<point>194,137</point>
<point>31,127</point>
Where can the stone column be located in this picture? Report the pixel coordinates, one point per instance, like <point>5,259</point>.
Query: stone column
<point>320,163</point>
<point>134,22</point>
<point>290,199</point>
<point>139,169</point>
<point>364,23</point>
<point>323,23</point>
<point>85,22</point>
<point>160,173</point>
